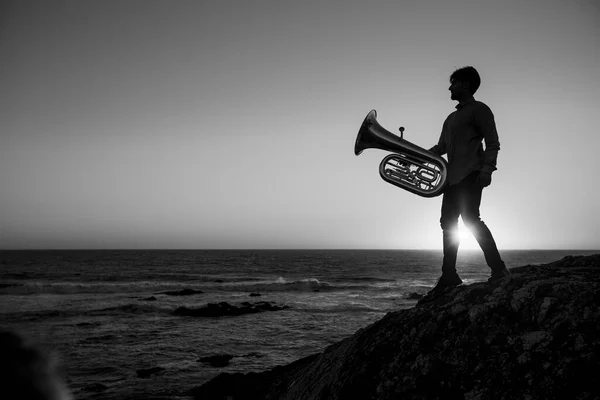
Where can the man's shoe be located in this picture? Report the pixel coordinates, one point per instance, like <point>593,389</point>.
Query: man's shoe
<point>499,274</point>
<point>445,282</point>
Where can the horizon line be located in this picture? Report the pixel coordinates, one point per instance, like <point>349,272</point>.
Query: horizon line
<point>284,249</point>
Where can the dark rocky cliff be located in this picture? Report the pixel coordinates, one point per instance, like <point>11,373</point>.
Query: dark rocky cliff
<point>533,335</point>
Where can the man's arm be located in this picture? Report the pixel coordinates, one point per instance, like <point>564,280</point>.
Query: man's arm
<point>440,147</point>
<point>485,124</point>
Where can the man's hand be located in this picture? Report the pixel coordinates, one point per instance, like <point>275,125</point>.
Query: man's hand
<point>484,179</point>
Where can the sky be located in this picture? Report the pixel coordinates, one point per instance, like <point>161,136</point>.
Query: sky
<point>230,124</point>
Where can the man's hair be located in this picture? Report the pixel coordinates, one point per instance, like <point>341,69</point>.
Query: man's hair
<point>468,75</point>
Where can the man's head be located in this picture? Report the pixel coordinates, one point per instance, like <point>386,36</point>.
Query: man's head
<point>464,82</point>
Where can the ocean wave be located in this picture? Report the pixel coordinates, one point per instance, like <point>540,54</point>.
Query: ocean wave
<point>339,308</point>
<point>160,287</point>
<point>81,287</point>
<point>132,308</point>
<point>126,309</point>
<point>368,279</point>
<point>283,285</point>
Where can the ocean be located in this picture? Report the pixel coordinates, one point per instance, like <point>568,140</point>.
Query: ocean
<point>109,314</point>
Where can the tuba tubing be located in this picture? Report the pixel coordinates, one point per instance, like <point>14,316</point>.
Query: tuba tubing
<point>411,168</point>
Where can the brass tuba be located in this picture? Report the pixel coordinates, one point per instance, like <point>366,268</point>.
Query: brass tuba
<point>412,168</point>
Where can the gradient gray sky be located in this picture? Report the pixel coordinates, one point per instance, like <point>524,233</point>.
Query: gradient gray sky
<point>231,124</point>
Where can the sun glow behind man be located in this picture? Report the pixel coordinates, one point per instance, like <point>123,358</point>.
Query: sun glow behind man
<point>467,241</point>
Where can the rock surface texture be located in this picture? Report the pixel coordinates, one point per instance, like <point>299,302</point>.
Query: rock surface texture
<point>533,335</point>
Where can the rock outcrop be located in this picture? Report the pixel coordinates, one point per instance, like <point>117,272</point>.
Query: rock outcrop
<point>533,335</point>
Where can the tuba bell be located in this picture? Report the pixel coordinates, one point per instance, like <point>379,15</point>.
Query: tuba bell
<point>411,168</point>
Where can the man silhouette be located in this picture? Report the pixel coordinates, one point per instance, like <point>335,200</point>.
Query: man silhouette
<point>470,169</point>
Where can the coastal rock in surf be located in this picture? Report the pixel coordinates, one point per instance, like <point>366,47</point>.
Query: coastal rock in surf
<point>222,360</point>
<point>532,335</point>
<point>414,296</point>
<point>182,292</point>
<point>225,309</point>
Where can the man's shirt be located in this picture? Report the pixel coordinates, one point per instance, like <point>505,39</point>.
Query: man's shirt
<point>461,139</point>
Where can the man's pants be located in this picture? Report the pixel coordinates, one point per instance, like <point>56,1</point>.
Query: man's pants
<point>463,199</point>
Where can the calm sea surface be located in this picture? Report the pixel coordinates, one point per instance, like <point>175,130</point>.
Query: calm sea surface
<point>95,308</point>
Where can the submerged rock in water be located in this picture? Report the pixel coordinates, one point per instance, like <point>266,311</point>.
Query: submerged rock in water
<point>219,360</point>
<point>146,373</point>
<point>533,335</point>
<point>182,292</point>
<point>226,309</point>
<point>95,387</point>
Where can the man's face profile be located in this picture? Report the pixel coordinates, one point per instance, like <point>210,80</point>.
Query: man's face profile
<point>458,89</point>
